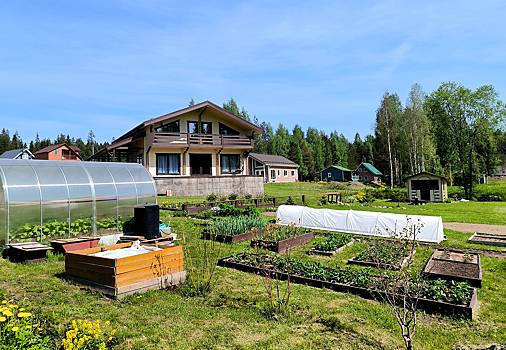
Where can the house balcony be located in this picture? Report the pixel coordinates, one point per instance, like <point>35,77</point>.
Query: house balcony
<point>175,139</point>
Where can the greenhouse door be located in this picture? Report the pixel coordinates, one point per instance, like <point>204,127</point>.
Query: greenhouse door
<point>200,164</point>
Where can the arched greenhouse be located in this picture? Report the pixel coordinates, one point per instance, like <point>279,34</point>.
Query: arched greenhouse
<point>43,200</point>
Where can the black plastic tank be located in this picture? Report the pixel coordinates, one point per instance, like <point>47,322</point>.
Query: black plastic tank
<point>146,220</point>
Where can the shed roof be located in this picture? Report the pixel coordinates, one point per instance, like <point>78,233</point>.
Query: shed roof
<point>336,167</point>
<point>371,168</point>
<point>12,154</point>
<point>268,159</point>
<point>430,174</point>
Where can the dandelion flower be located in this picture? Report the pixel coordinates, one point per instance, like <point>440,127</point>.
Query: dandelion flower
<point>2,319</point>
<point>15,329</point>
<point>4,301</point>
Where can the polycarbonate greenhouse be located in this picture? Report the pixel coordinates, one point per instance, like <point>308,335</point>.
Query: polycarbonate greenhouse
<point>43,200</point>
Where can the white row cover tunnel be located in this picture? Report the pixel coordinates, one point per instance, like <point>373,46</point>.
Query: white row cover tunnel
<point>42,200</point>
<point>359,222</point>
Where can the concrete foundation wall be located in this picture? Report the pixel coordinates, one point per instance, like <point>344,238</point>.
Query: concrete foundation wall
<point>204,186</point>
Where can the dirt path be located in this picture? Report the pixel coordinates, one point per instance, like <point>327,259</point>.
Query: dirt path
<point>472,228</point>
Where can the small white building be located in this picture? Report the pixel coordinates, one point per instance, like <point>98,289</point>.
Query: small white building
<point>17,154</point>
<point>427,187</point>
<point>273,168</point>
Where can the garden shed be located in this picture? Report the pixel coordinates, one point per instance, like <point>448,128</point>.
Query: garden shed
<point>44,200</point>
<point>427,187</point>
<point>359,222</point>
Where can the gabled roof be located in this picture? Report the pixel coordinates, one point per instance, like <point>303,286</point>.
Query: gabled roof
<point>53,147</point>
<point>268,159</point>
<point>371,168</point>
<point>337,167</point>
<point>13,154</point>
<point>430,174</point>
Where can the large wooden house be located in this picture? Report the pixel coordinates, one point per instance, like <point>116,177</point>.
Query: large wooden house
<point>195,151</point>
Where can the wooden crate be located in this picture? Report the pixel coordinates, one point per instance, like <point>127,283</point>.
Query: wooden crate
<point>123,276</point>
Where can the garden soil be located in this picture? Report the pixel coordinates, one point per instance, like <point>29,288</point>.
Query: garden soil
<point>472,228</point>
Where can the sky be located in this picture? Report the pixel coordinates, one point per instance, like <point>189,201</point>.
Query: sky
<point>74,66</point>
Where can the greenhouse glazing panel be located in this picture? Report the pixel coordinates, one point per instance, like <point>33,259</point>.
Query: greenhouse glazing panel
<point>139,173</point>
<point>24,213</point>
<point>55,212</point>
<point>127,199</point>
<point>106,208</point>
<point>99,174</point>
<point>81,210</point>
<point>145,193</point>
<point>3,214</point>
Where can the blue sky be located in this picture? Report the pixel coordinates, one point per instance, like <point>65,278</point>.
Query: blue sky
<point>71,66</point>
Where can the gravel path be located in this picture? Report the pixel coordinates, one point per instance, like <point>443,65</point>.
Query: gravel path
<point>472,228</point>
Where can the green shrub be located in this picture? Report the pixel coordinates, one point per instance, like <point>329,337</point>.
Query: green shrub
<point>233,196</point>
<point>211,198</point>
<point>248,196</point>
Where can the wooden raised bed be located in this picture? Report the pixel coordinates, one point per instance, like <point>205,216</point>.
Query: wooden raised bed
<point>123,276</point>
<point>67,245</point>
<point>230,239</point>
<point>468,311</point>
<point>453,266</point>
<point>334,252</point>
<point>488,239</point>
<point>282,246</point>
<point>384,266</point>
<point>27,252</point>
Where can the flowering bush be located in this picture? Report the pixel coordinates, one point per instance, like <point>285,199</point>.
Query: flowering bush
<point>19,329</point>
<point>84,334</point>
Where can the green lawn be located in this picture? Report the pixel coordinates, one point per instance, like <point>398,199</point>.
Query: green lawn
<point>232,316</point>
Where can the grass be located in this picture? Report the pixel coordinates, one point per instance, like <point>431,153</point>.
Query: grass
<point>232,316</point>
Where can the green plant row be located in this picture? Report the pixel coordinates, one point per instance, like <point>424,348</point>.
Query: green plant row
<point>275,233</point>
<point>384,253</point>
<point>236,225</point>
<point>60,228</point>
<point>333,242</point>
<point>458,293</point>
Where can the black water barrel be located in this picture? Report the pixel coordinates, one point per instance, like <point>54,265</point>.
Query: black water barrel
<point>146,220</point>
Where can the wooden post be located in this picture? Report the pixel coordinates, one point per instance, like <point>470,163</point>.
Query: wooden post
<point>303,199</point>
<point>257,202</point>
<point>274,201</point>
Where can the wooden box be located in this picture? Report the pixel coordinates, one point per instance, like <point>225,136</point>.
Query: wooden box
<point>123,276</point>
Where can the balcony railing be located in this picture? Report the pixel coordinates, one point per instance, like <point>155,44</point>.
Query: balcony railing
<point>175,139</point>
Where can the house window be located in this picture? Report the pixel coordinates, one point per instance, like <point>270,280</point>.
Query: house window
<point>329,175</point>
<point>359,170</point>
<point>226,130</point>
<point>207,128</point>
<point>167,164</point>
<point>365,178</point>
<point>57,152</point>
<point>285,173</point>
<point>279,173</point>
<point>193,127</point>
<point>171,127</point>
<point>273,174</point>
<point>360,177</point>
<point>230,163</point>
<point>138,159</point>
<point>293,173</point>
<point>24,156</point>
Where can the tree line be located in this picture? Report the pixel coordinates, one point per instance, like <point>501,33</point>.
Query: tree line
<point>453,131</point>
<point>8,143</point>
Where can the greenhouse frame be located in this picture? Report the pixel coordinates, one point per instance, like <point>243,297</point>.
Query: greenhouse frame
<point>42,200</point>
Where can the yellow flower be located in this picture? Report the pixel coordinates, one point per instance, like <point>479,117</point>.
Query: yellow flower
<point>15,329</point>
<point>22,309</point>
<point>298,341</point>
<point>28,327</point>
<point>7,313</point>
<point>4,301</point>
<point>2,319</point>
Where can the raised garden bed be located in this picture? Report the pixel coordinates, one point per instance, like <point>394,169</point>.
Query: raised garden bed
<point>122,276</point>
<point>332,252</point>
<point>451,265</point>
<point>332,245</point>
<point>27,252</point>
<point>358,285</point>
<point>488,239</point>
<point>67,245</point>
<point>387,256</point>
<point>283,245</point>
<point>218,237</point>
